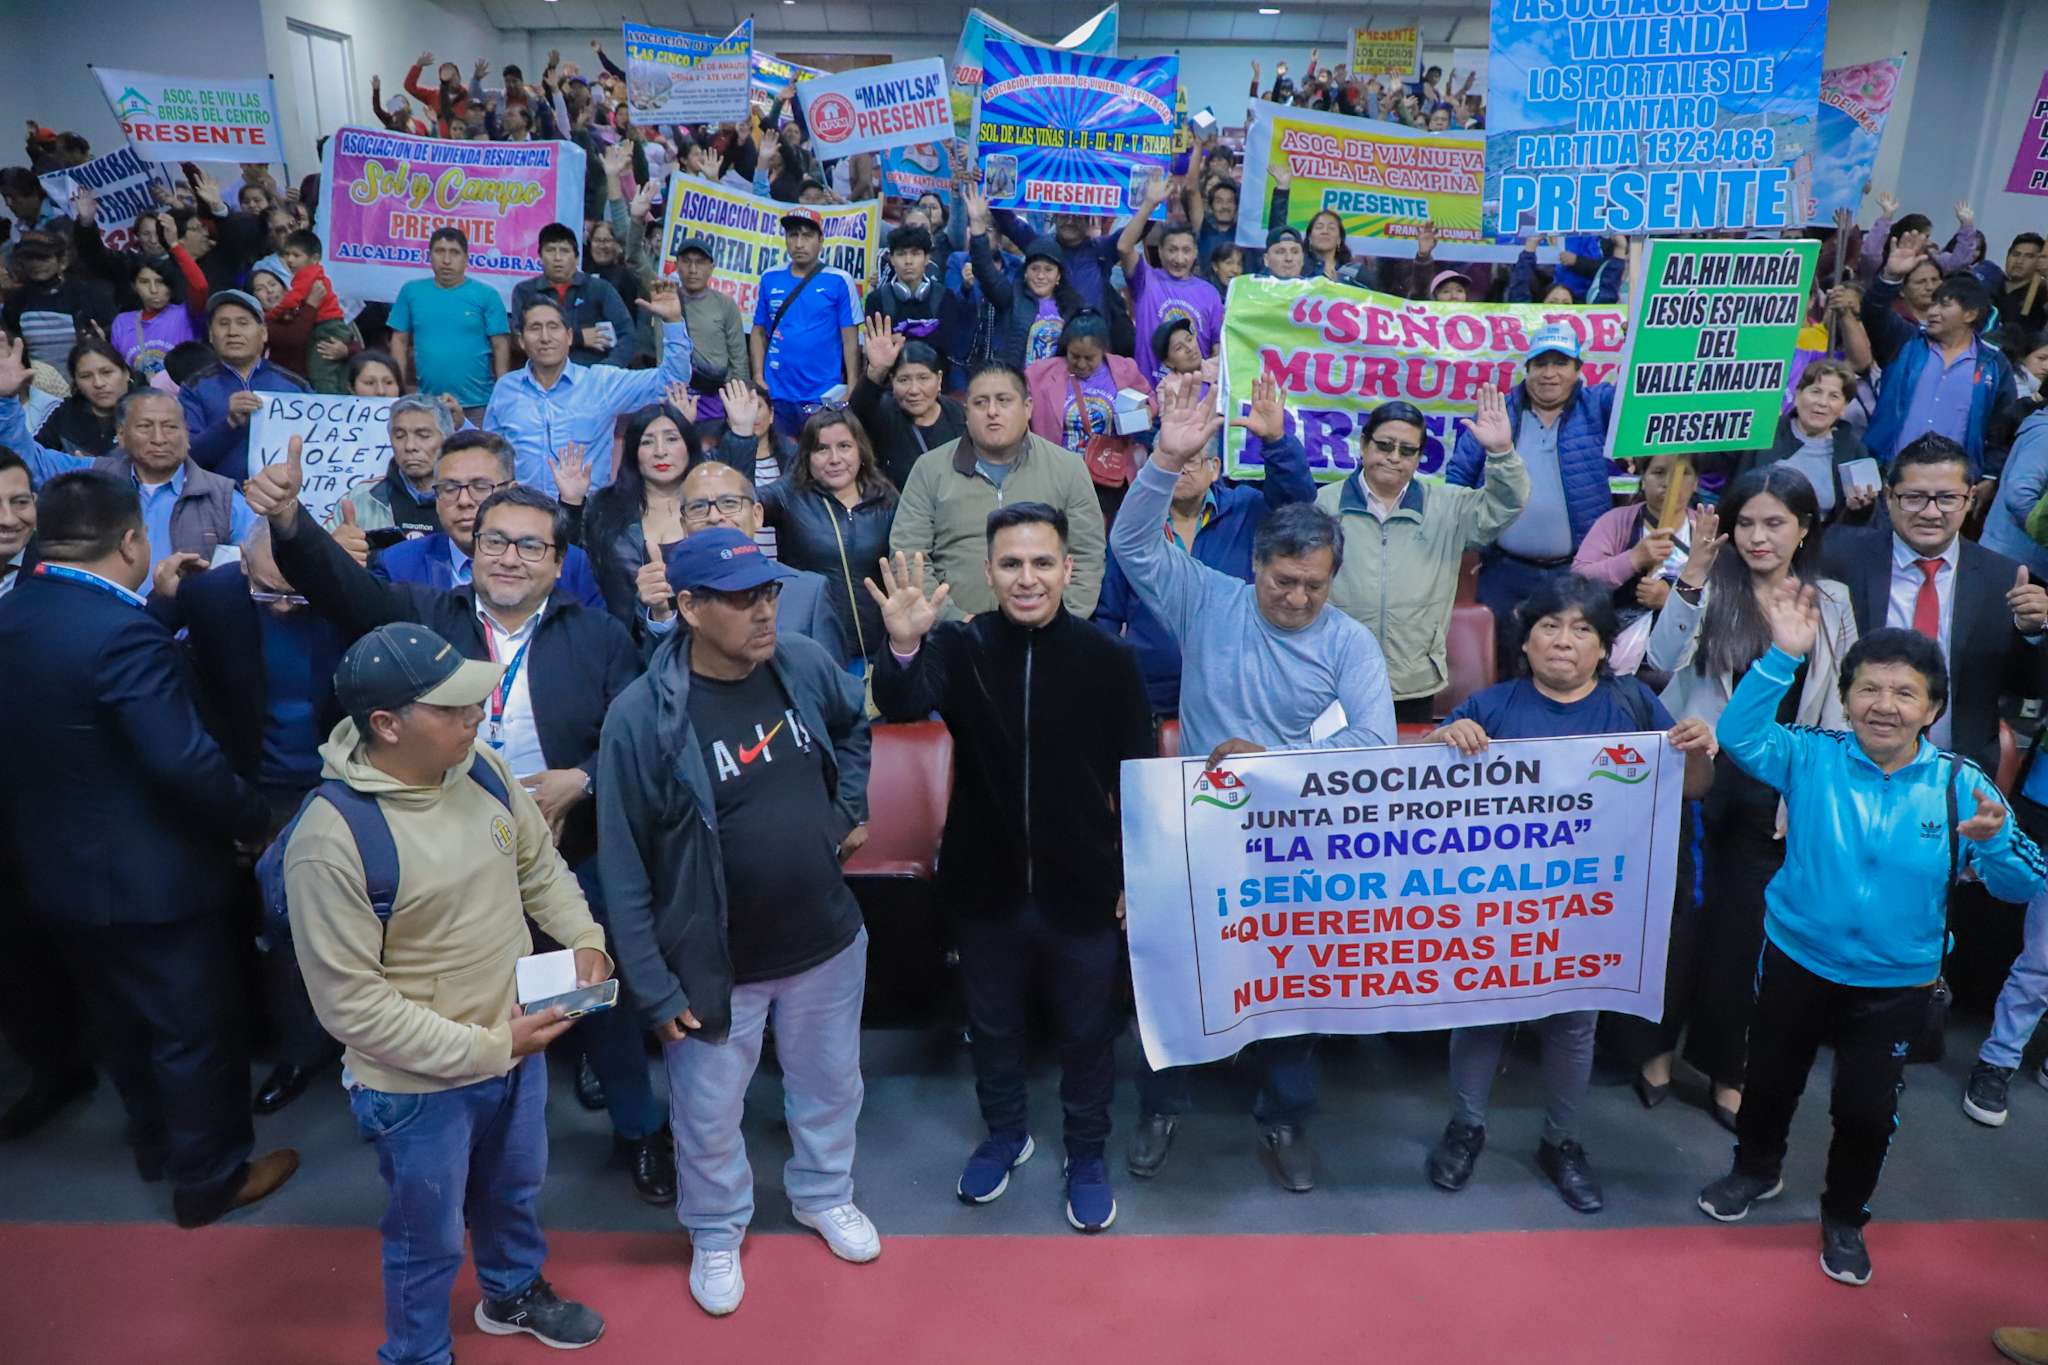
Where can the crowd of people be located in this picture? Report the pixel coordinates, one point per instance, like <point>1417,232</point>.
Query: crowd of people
<point>593,665</point>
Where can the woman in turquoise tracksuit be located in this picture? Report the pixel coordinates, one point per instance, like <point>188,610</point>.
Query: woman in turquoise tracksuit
<point>1879,823</point>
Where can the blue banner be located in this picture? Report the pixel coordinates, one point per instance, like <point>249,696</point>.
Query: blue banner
<point>922,168</point>
<point>1068,133</point>
<point>768,75</point>
<point>1608,116</point>
<point>1854,104</point>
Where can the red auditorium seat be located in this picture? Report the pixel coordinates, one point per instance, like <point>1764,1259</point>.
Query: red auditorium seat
<point>911,774</point>
<point>1470,646</point>
<point>1169,739</point>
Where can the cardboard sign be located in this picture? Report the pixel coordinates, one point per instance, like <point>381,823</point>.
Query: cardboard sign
<point>346,440</point>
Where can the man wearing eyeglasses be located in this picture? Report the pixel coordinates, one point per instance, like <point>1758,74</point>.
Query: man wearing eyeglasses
<point>564,662</point>
<point>718,496</point>
<point>473,465</point>
<point>1988,616</point>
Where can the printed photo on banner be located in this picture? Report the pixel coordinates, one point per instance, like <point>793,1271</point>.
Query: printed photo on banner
<point>769,75</point>
<point>120,183</point>
<point>1709,359</point>
<point>688,77</point>
<point>1384,180</point>
<point>1386,52</point>
<point>188,118</point>
<point>346,440</point>
<point>1386,890</point>
<point>1680,118</point>
<point>2030,166</point>
<point>920,169</point>
<point>747,234</point>
<point>1097,37</point>
<point>384,195</point>
<point>876,107</point>
<point>1065,133</point>
<point>1338,352</point>
<point>1854,104</point>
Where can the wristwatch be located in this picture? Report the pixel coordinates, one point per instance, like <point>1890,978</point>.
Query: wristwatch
<point>589,781</point>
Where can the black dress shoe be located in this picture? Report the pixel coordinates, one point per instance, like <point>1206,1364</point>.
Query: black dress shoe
<point>1650,1095</point>
<point>1150,1143</point>
<point>285,1083</point>
<point>652,1162</point>
<point>1566,1166</point>
<point>43,1101</point>
<point>589,1093</point>
<point>1294,1161</point>
<point>1457,1151</point>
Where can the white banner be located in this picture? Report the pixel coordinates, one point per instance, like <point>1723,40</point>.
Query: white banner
<point>193,118</point>
<point>877,107</point>
<point>1386,890</point>
<point>346,440</point>
<point>120,183</point>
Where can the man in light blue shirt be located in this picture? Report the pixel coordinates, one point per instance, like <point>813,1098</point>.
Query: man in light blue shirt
<point>552,401</point>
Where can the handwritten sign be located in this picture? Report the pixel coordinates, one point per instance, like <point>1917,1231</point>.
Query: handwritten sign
<point>346,440</point>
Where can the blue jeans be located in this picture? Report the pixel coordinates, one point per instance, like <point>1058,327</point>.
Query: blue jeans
<point>1287,1083</point>
<point>2025,996</point>
<point>475,1154</point>
<point>817,1040</point>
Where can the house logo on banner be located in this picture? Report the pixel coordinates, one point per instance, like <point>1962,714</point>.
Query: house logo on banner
<point>1219,788</point>
<point>832,120</point>
<point>1620,763</point>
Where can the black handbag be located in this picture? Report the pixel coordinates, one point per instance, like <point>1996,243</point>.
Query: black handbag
<point>1932,1042</point>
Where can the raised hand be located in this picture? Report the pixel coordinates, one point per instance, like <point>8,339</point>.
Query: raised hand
<point>572,473</point>
<point>1187,421</point>
<point>1965,215</point>
<point>1278,172</point>
<point>1268,417</point>
<point>84,205</point>
<point>1489,423</point>
<point>1887,204</point>
<point>350,535</point>
<point>883,344</point>
<point>682,400</point>
<point>978,217</point>
<point>1986,822</point>
<point>426,59</point>
<point>1707,544</point>
<point>616,158</point>
<point>1155,190</point>
<point>2029,603</point>
<point>273,491</point>
<point>483,68</point>
<point>207,188</point>
<point>907,613</point>
<point>1905,254</point>
<point>651,583</point>
<point>1425,241</point>
<point>14,370</point>
<point>663,301</point>
<point>1794,614</point>
<point>642,202</point>
<point>742,407</point>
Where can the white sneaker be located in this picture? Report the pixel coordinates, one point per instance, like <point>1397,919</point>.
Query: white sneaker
<point>715,1281</point>
<point>847,1231</point>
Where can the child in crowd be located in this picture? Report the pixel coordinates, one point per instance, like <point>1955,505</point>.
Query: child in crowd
<point>310,288</point>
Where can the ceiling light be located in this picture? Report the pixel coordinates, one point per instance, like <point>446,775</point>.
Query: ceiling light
<point>1264,10</point>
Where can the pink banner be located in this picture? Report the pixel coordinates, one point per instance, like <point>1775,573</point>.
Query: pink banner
<point>2030,167</point>
<point>384,195</point>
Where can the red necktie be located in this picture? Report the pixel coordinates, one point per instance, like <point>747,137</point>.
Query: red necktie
<point>1927,605</point>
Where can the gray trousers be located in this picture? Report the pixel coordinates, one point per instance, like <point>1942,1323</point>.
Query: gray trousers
<point>1567,1070</point>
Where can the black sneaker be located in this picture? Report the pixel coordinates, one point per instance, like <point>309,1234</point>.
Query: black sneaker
<point>1728,1199</point>
<point>1842,1254</point>
<point>1150,1144</point>
<point>557,1321</point>
<point>589,1090</point>
<point>1566,1166</point>
<point>1450,1165</point>
<point>1984,1097</point>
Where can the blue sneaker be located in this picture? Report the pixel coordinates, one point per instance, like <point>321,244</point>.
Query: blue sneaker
<point>988,1171</point>
<point>1091,1204</point>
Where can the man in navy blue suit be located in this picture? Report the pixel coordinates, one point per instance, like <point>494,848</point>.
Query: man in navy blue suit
<point>473,465</point>
<point>129,812</point>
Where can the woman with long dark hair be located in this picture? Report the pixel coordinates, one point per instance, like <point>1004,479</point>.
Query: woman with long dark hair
<point>1029,317</point>
<point>1712,629</point>
<point>1327,253</point>
<point>83,424</point>
<point>832,513</point>
<point>630,522</point>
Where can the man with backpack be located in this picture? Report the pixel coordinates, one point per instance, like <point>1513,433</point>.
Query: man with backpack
<point>409,876</point>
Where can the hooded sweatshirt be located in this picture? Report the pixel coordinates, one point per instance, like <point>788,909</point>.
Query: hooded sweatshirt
<point>430,1006</point>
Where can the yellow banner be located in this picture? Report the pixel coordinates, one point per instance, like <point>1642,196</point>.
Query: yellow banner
<point>1382,180</point>
<point>1386,51</point>
<point>746,233</point>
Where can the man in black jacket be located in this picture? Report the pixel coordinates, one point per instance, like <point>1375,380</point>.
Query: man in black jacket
<point>734,784</point>
<point>564,663</point>
<point>131,812</point>
<point>1043,707</point>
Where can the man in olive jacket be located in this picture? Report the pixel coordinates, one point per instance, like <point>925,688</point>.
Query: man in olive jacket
<point>732,782</point>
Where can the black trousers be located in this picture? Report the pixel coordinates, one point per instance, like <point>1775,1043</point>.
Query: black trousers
<point>1638,1040</point>
<point>1741,857</point>
<point>1000,962</point>
<point>1868,1027</point>
<point>42,1013</point>
<point>168,1002</point>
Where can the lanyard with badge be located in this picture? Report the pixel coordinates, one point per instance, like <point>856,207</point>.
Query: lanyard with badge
<point>93,581</point>
<point>495,735</point>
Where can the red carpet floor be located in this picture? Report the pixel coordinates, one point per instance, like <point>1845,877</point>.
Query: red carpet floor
<point>98,1294</point>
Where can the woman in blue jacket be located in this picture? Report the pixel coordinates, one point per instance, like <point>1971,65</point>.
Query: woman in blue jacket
<point>1879,825</point>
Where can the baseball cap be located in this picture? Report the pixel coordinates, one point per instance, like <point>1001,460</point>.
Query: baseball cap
<point>405,662</point>
<point>1283,234</point>
<point>1554,336</point>
<point>233,298</point>
<point>1045,249</point>
<point>703,245</point>
<point>1162,336</point>
<point>38,244</point>
<point>720,559</point>
<point>802,221</point>
<point>1445,276</point>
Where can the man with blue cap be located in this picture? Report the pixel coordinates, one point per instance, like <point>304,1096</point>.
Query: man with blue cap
<point>732,783</point>
<point>1560,427</point>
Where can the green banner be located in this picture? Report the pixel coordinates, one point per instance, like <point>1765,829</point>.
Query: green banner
<point>1716,323</point>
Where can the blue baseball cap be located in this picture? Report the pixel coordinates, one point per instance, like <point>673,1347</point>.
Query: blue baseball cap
<point>720,559</point>
<point>1554,336</point>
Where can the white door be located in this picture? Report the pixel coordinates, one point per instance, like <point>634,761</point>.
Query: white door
<point>323,69</point>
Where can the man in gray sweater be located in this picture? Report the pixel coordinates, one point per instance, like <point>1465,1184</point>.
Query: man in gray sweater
<point>1263,662</point>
